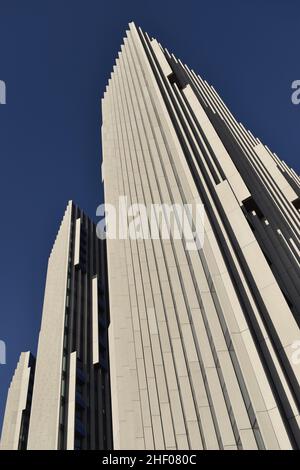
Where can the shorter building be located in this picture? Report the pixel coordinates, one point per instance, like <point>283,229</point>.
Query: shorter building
<point>68,406</point>
<point>18,405</point>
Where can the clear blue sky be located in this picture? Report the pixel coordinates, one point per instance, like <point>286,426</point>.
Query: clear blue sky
<point>56,56</point>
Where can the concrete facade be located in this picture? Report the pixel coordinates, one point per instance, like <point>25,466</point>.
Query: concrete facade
<point>70,406</point>
<point>44,422</point>
<point>71,395</point>
<point>201,342</point>
<point>18,405</point>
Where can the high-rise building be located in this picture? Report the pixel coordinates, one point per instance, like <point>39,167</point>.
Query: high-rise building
<point>18,405</point>
<point>70,406</point>
<point>204,344</point>
<point>204,341</point>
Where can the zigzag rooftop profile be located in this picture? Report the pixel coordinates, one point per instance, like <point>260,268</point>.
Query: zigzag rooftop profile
<point>153,345</point>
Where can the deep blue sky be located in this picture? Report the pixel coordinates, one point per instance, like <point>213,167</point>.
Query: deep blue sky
<point>56,56</point>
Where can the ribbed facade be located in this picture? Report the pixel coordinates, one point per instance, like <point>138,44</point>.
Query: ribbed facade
<point>201,342</point>
<point>70,406</point>
<point>17,412</point>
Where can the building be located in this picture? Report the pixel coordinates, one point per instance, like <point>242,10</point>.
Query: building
<point>70,406</point>
<point>202,342</point>
<point>18,405</point>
